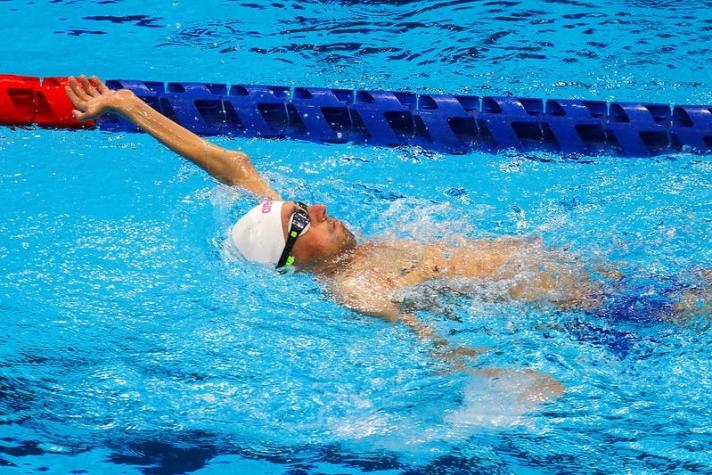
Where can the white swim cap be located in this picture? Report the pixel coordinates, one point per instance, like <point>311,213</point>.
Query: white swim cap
<point>258,235</point>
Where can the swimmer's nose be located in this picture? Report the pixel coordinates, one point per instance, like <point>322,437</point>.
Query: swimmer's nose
<point>318,212</point>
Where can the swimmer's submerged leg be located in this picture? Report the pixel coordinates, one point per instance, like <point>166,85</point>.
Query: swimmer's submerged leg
<point>647,300</point>
<point>695,301</point>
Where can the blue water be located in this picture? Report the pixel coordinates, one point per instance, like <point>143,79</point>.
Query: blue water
<point>131,344</point>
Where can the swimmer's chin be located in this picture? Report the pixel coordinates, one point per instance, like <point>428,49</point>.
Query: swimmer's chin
<point>328,265</point>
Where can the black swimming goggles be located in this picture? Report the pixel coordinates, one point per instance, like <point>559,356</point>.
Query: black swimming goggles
<point>300,222</point>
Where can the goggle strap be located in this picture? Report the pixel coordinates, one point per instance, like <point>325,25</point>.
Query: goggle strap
<point>286,260</point>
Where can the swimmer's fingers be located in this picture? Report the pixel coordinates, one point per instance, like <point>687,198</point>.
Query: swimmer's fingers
<point>90,96</point>
<point>88,86</point>
<point>99,84</point>
<point>75,94</point>
<point>78,89</point>
<point>89,114</point>
<point>79,115</point>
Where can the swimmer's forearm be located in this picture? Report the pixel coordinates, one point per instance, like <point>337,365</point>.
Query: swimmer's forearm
<point>229,167</point>
<point>422,330</point>
<point>454,356</point>
<point>532,386</point>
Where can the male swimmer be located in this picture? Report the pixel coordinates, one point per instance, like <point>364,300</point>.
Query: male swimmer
<point>285,234</point>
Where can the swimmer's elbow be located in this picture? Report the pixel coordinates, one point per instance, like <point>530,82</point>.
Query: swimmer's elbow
<point>228,179</point>
<point>239,158</point>
<point>236,167</point>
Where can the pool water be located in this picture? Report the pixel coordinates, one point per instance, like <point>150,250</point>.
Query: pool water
<point>131,343</point>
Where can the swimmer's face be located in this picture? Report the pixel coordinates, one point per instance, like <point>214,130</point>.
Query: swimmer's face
<point>325,237</point>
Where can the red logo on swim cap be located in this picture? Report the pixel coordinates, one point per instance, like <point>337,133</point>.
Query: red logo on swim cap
<point>266,206</point>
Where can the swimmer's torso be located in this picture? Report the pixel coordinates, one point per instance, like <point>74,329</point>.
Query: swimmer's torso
<point>375,271</point>
<point>407,263</point>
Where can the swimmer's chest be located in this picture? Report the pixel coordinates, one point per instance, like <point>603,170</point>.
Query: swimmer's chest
<point>398,265</point>
<point>404,263</point>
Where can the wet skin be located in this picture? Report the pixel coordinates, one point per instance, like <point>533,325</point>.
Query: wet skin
<point>367,277</point>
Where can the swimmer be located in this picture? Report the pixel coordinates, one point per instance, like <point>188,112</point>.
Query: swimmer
<point>366,277</point>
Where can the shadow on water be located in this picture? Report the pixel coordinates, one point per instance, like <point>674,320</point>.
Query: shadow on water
<point>191,451</point>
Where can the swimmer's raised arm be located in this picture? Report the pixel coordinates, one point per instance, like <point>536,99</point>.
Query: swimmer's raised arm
<point>92,98</point>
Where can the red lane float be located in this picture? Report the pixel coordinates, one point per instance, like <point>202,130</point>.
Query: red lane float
<point>17,99</point>
<point>27,100</point>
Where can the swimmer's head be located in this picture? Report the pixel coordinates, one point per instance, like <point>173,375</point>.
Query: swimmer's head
<point>258,234</point>
<point>261,234</point>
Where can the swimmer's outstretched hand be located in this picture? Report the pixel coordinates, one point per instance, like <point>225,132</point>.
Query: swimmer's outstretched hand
<point>91,97</point>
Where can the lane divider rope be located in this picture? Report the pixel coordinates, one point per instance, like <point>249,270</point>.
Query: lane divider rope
<point>447,123</point>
